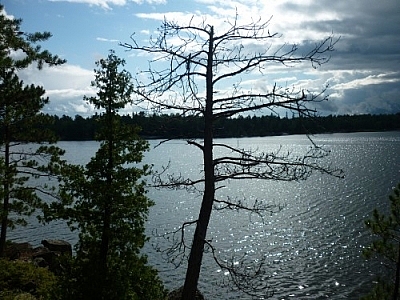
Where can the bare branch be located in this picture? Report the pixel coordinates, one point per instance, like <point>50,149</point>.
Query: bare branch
<point>258,207</point>
<point>274,166</point>
<point>162,179</point>
<point>176,253</point>
<point>246,276</point>
<point>189,63</point>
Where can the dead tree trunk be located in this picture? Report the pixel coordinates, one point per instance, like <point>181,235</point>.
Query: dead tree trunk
<point>196,253</point>
<point>188,55</point>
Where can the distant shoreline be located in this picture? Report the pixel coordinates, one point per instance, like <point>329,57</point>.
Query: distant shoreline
<point>186,127</point>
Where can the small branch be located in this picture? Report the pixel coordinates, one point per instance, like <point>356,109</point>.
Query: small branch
<point>258,207</point>
<point>177,252</point>
<point>249,278</point>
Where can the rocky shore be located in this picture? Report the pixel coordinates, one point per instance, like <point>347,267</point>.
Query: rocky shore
<point>42,256</point>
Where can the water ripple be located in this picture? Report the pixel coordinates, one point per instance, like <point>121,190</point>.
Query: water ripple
<point>312,247</point>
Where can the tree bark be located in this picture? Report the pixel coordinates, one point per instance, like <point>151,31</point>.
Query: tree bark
<point>6,190</point>
<point>105,237</point>
<point>397,281</point>
<point>196,253</point>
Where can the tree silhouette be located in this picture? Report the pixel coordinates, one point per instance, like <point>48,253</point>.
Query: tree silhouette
<point>22,122</point>
<point>190,57</point>
<point>106,200</point>
<point>387,228</point>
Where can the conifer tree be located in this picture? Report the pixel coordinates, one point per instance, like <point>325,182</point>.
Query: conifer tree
<point>387,246</point>
<point>22,123</point>
<point>106,200</point>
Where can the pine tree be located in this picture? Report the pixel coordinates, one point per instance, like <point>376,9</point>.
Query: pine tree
<point>387,229</point>
<point>22,123</point>
<point>106,200</point>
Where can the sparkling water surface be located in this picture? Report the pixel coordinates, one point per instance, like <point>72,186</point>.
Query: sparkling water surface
<point>311,247</point>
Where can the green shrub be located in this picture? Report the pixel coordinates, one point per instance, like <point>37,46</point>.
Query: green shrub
<point>24,280</point>
<point>131,279</point>
<point>381,291</point>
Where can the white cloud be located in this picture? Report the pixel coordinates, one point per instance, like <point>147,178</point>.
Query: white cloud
<point>59,77</point>
<point>363,63</point>
<point>106,4</point>
<point>170,16</point>
<point>8,16</point>
<point>102,3</point>
<point>150,1</point>
<point>365,81</point>
<point>82,108</point>
<point>65,86</point>
<point>100,39</point>
<point>69,93</point>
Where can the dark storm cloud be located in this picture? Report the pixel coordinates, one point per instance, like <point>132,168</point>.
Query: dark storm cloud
<point>379,99</point>
<point>369,31</point>
<point>369,48</point>
<point>363,73</point>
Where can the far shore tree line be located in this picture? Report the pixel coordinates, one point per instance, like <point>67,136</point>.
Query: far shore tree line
<point>106,199</point>
<point>168,126</point>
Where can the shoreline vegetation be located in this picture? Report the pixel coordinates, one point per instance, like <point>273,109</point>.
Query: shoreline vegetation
<point>175,126</point>
<point>106,200</point>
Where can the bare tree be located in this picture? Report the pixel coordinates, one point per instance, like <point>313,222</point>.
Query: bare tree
<point>188,58</point>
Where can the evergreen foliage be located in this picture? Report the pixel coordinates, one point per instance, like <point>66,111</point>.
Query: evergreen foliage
<point>106,200</point>
<point>387,246</point>
<point>22,122</point>
<point>178,126</point>
<point>24,280</point>
<point>381,291</point>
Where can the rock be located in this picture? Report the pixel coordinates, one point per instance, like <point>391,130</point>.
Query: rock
<point>177,295</point>
<point>43,253</point>
<point>40,262</point>
<point>46,257</point>
<point>18,251</point>
<point>59,246</point>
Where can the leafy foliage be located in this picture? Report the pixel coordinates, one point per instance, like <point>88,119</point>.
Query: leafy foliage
<point>23,280</point>
<point>387,228</point>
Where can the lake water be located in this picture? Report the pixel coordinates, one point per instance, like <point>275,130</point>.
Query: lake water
<point>312,246</point>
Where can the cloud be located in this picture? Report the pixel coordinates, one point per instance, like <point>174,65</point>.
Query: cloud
<point>368,80</point>
<point>65,86</point>
<point>67,76</point>
<point>361,91</point>
<point>106,4</point>
<point>363,71</point>
<point>180,17</point>
<point>102,3</point>
<point>150,1</point>
<point>377,99</point>
<point>107,40</point>
<point>8,16</point>
<point>362,74</point>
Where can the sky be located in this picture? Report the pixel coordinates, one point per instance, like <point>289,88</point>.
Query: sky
<point>363,74</point>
